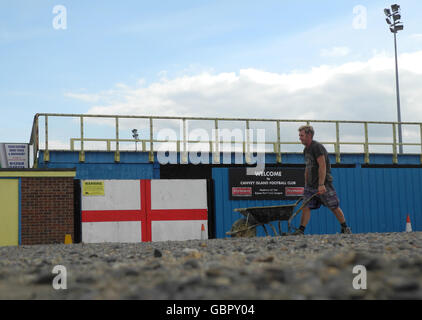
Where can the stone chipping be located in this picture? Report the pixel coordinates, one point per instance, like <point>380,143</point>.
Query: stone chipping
<point>263,268</point>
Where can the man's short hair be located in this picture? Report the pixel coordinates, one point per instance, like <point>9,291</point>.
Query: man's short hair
<point>308,129</point>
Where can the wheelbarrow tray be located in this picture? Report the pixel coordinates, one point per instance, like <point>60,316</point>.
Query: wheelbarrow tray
<point>260,216</point>
<point>263,215</point>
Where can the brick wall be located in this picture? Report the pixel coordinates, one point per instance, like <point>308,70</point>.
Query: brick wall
<point>47,210</point>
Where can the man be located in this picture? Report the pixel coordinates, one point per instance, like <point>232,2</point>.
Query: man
<point>318,179</point>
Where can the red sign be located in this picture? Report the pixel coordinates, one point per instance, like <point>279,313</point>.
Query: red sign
<point>239,191</point>
<point>294,191</point>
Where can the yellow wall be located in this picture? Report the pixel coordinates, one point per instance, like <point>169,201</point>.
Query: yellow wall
<point>9,212</point>
<point>36,174</point>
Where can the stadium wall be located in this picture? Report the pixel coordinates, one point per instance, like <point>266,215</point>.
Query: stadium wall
<point>375,197</point>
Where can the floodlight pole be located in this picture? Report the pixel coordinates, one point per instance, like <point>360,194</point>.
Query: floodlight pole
<point>398,96</point>
<point>395,26</point>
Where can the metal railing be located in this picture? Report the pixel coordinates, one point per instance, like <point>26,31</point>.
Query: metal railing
<point>214,144</point>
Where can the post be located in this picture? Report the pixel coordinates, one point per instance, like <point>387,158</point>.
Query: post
<point>366,145</point>
<point>337,148</point>
<point>151,142</point>
<point>395,160</point>
<point>36,141</point>
<point>247,151</point>
<point>46,153</point>
<point>82,152</point>
<point>216,153</point>
<point>184,154</point>
<point>117,153</point>
<point>278,150</point>
<point>398,96</point>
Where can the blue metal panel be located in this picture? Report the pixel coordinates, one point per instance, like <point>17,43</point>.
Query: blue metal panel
<point>134,157</point>
<point>416,216</point>
<point>386,197</point>
<point>110,171</point>
<point>101,165</point>
<point>59,157</point>
<point>381,201</point>
<point>225,216</point>
<point>372,199</point>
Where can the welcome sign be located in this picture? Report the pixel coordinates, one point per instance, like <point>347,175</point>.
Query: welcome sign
<point>267,184</point>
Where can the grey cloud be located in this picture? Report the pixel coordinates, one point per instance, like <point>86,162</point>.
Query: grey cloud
<point>364,91</point>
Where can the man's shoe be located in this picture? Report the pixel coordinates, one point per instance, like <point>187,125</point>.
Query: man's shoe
<point>346,230</point>
<point>298,232</point>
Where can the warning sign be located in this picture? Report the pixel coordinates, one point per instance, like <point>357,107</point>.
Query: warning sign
<point>14,155</point>
<point>93,188</point>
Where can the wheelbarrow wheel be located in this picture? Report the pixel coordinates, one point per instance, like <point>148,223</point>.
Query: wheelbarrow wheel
<point>240,229</point>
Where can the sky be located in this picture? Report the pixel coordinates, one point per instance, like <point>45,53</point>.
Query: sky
<point>322,60</point>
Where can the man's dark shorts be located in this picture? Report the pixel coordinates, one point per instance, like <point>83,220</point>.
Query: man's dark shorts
<point>328,199</point>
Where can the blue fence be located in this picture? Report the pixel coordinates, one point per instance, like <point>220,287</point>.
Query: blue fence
<point>374,198</point>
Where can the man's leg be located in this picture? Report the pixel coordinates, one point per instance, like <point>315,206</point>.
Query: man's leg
<point>304,219</point>
<point>331,201</point>
<point>312,204</point>
<point>306,215</point>
<point>339,215</point>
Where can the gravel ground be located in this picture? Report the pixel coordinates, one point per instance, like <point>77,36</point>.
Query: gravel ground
<point>307,267</point>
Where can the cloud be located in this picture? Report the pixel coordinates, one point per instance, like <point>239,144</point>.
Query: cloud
<point>335,52</point>
<point>358,91</point>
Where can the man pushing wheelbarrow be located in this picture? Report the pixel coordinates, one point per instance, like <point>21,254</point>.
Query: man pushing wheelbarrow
<point>319,190</point>
<point>318,179</point>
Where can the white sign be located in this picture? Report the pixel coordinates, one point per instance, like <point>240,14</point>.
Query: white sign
<point>14,155</point>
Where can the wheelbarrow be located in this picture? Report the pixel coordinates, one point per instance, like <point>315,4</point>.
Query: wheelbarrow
<point>260,216</point>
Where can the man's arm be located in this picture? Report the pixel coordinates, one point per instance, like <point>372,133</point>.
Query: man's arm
<point>322,171</point>
<point>306,176</point>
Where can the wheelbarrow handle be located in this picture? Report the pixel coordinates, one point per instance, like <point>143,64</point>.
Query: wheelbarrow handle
<point>298,201</point>
<point>301,207</point>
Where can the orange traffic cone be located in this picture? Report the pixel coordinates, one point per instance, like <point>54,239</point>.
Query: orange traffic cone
<point>203,235</point>
<point>408,224</point>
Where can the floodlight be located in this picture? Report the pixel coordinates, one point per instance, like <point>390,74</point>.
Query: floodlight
<point>396,16</point>
<point>395,7</point>
<point>388,20</point>
<point>399,27</point>
<point>387,12</point>
<point>135,136</point>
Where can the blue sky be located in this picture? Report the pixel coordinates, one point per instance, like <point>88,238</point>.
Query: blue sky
<point>114,51</point>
